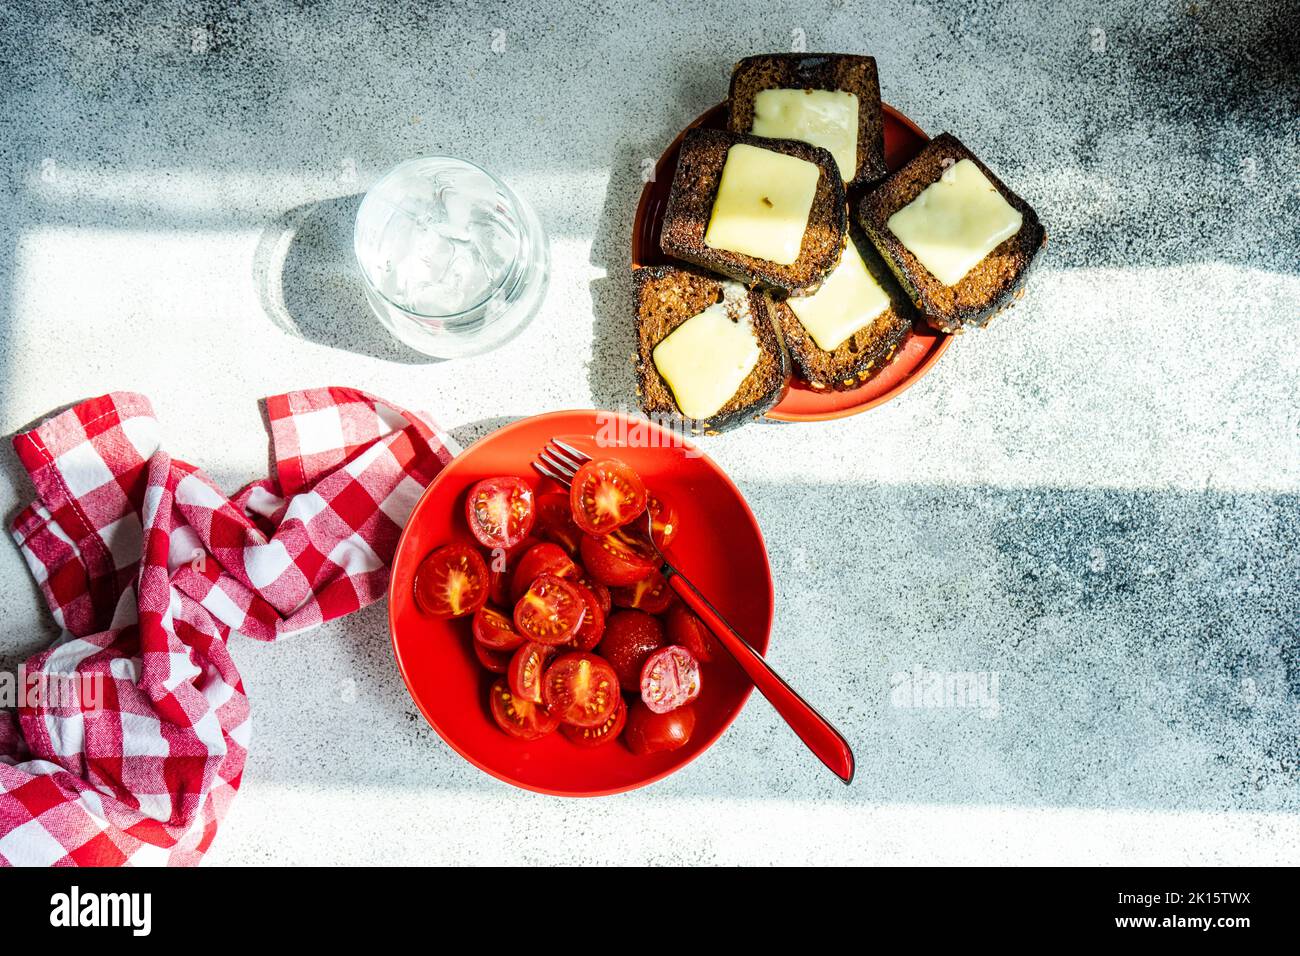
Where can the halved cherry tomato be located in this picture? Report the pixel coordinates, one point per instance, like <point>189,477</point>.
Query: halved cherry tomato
<point>451,582</point>
<point>593,622</point>
<point>501,565</point>
<point>663,521</point>
<point>551,611</point>
<point>543,558</point>
<point>670,678</point>
<point>649,733</point>
<point>555,521</point>
<point>526,670</point>
<point>519,718</point>
<point>600,590</point>
<point>494,630</point>
<point>651,594</point>
<point>630,637</point>
<point>498,662</point>
<point>580,689</point>
<point>595,736</point>
<point>690,632</point>
<point>500,511</point>
<point>499,586</point>
<point>606,495</point>
<point>618,558</point>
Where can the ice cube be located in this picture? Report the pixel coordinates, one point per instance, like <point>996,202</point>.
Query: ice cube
<point>494,243</point>
<point>465,282</point>
<point>418,274</point>
<point>456,207</point>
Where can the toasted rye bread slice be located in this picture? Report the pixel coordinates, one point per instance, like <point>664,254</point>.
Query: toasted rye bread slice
<point>991,285</point>
<point>690,205</point>
<point>666,296</point>
<point>816,71</point>
<point>867,350</point>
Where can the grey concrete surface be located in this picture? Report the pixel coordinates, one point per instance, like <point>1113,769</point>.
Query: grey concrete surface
<point>1096,501</point>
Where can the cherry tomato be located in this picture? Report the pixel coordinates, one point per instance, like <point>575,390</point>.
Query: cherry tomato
<point>690,632</point>
<point>651,594</point>
<point>617,558</point>
<point>498,662</point>
<point>519,718</point>
<point>630,637</point>
<point>500,511</point>
<point>543,558</point>
<point>600,590</point>
<point>595,736</point>
<point>501,565</point>
<point>451,582</point>
<point>593,622</point>
<point>494,630</point>
<point>555,521</point>
<point>670,677</point>
<point>551,611</point>
<point>526,670</point>
<point>498,587</point>
<point>663,521</point>
<point>606,495</point>
<point>649,733</point>
<point>580,689</point>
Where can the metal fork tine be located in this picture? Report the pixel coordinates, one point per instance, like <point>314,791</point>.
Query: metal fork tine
<point>558,463</point>
<point>580,456</point>
<point>547,473</point>
<point>559,456</point>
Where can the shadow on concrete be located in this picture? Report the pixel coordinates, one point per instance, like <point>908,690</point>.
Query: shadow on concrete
<point>308,282</point>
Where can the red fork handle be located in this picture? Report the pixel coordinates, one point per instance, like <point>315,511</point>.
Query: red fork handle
<point>813,729</point>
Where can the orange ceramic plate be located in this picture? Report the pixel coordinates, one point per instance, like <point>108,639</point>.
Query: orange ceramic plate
<point>915,356</point>
<point>719,546</point>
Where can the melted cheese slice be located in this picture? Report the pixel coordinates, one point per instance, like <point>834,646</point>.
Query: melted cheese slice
<point>762,205</point>
<point>826,118</point>
<point>849,298</point>
<point>706,358</point>
<point>955,222</point>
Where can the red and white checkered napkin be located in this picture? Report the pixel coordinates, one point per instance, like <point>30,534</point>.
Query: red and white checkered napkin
<point>148,567</point>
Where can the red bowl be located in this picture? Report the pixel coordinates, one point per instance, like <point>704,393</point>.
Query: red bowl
<point>719,547</point>
<point>916,354</point>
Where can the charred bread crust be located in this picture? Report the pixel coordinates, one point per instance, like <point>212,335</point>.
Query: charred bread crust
<point>991,285</point>
<point>866,351</point>
<point>816,71</point>
<point>665,297</point>
<point>690,206</point>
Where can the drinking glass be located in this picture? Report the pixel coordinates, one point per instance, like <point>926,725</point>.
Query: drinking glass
<point>454,262</point>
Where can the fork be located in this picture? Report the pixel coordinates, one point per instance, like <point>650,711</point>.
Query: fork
<point>560,462</point>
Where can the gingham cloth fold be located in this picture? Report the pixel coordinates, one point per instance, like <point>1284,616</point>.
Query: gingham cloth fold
<point>133,728</point>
